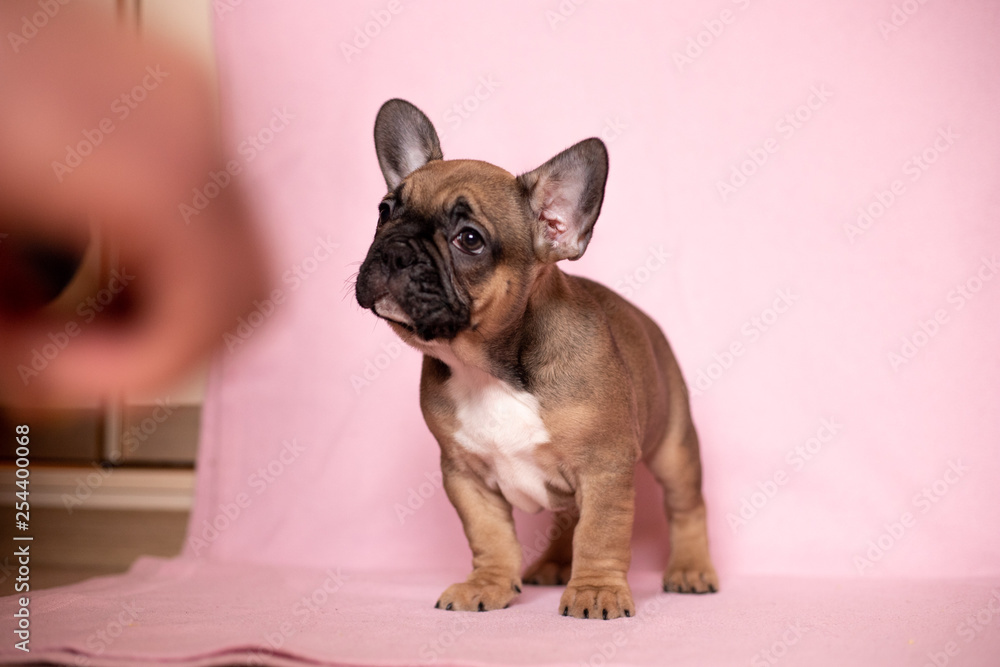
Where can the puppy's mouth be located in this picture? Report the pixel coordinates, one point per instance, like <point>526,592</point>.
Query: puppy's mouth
<point>387,308</point>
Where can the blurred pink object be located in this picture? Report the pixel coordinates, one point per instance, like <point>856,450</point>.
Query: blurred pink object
<point>112,143</point>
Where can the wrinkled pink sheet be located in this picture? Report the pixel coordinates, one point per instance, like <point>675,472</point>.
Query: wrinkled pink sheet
<point>210,613</point>
<point>845,372</point>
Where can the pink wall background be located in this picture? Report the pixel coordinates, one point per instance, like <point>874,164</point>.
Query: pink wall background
<point>529,85</point>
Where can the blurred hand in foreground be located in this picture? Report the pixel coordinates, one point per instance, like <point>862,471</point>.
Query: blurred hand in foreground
<point>102,133</point>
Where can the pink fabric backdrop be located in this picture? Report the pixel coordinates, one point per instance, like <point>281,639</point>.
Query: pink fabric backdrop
<point>844,366</point>
<point>674,132</point>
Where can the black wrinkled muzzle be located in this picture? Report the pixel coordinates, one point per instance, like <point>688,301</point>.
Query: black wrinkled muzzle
<point>411,272</point>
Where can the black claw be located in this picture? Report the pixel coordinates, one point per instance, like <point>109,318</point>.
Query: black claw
<point>437,605</point>
<point>517,589</point>
<point>627,613</point>
<point>566,611</point>
<point>481,607</point>
<point>712,588</point>
<point>605,612</point>
<point>507,606</point>
<point>586,613</point>
<point>448,608</point>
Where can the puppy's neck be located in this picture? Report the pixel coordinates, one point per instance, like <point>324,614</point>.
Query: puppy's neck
<point>550,285</point>
<point>473,355</point>
<point>461,355</point>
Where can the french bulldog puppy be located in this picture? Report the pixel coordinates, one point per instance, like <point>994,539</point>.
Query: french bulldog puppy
<point>543,389</point>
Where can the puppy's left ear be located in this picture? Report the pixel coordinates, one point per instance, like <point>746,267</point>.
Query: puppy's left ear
<point>566,194</point>
<point>405,140</point>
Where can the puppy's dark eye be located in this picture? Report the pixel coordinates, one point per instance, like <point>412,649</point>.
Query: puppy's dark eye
<point>384,212</point>
<point>469,241</point>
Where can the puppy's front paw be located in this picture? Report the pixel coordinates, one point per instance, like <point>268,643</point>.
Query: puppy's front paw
<point>690,579</point>
<point>478,596</point>
<point>599,600</point>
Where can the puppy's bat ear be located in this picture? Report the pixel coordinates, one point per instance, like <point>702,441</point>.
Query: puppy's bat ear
<point>566,194</point>
<point>405,140</point>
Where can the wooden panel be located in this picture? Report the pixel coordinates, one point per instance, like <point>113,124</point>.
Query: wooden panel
<point>64,435</point>
<point>71,547</point>
<point>164,433</point>
<point>95,487</point>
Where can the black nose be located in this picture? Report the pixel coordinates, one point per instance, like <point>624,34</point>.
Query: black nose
<point>398,256</point>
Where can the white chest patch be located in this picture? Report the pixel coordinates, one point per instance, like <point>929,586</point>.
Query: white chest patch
<point>503,427</point>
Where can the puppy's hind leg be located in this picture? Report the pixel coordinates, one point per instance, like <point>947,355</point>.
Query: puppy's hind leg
<point>677,466</point>
<point>554,566</point>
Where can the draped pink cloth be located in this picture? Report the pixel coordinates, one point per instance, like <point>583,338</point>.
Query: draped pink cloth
<point>803,195</point>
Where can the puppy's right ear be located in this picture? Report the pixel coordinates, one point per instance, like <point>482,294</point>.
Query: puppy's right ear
<point>405,140</point>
